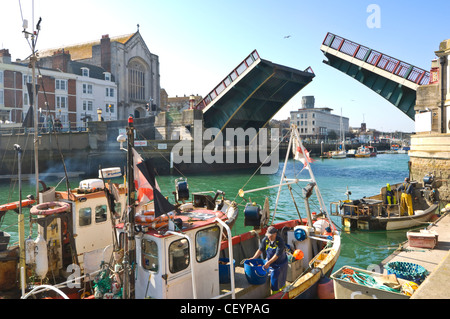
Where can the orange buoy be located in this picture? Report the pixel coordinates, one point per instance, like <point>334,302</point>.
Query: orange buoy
<point>298,254</point>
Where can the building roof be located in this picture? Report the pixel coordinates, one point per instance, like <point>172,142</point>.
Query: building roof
<point>313,109</point>
<point>83,51</point>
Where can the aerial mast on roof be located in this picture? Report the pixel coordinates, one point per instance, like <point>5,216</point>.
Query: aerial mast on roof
<point>33,35</point>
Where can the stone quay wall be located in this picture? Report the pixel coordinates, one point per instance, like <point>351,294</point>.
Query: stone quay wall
<point>430,153</point>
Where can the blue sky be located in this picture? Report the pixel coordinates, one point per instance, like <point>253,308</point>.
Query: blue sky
<point>199,42</point>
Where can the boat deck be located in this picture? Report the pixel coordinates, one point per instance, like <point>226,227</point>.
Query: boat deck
<point>245,290</point>
<point>436,261</point>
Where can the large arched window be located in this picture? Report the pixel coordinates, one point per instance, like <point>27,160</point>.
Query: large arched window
<point>136,80</point>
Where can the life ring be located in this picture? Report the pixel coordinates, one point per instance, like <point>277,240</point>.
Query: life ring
<point>49,208</point>
<point>148,218</point>
<point>15,205</point>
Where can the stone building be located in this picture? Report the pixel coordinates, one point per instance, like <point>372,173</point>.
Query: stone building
<point>318,122</point>
<point>134,68</point>
<point>430,146</point>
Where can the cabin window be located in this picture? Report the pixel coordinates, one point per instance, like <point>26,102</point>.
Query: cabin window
<point>178,255</point>
<point>100,213</point>
<point>85,216</point>
<point>149,250</point>
<point>207,243</point>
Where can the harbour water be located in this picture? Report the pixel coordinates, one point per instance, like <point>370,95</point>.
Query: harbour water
<point>363,177</point>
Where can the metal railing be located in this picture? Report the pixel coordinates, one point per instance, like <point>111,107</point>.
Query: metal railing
<point>378,59</point>
<point>66,128</point>
<point>228,80</point>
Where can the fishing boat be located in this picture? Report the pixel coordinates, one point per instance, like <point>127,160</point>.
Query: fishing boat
<point>340,152</point>
<point>186,249</point>
<point>376,213</point>
<point>73,234</point>
<point>373,151</point>
<point>351,153</point>
<point>72,227</point>
<point>362,151</point>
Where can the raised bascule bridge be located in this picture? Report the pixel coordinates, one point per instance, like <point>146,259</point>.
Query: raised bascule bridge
<point>393,79</point>
<point>251,94</point>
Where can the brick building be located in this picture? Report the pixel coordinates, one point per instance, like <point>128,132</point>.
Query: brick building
<point>63,89</point>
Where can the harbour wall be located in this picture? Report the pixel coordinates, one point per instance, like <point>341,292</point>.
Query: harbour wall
<point>87,151</point>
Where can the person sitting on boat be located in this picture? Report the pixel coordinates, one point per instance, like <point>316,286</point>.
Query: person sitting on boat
<point>406,199</point>
<point>276,258</point>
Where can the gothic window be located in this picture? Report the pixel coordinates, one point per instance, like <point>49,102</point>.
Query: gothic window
<point>136,81</point>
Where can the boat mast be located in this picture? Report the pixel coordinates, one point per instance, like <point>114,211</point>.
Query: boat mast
<point>282,175</point>
<point>313,179</point>
<point>130,249</point>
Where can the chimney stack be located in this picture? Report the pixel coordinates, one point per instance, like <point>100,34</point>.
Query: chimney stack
<point>105,51</point>
<point>5,56</point>
<point>60,60</point>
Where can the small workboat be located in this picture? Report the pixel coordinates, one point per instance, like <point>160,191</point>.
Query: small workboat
<point>377,213</point>
<point>362,151</point>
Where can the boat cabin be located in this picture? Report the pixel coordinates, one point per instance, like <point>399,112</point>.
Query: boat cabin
<point>85,228</point>
<point>181,261</point>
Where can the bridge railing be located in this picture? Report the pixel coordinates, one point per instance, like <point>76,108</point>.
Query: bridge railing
<point>378,59</point>
<point>244,65</point>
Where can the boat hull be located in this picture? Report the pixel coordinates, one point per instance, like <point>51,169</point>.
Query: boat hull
<point>305,286</point>
<point>339,156</point>
<point>9,260</point>
<point>388,223</point>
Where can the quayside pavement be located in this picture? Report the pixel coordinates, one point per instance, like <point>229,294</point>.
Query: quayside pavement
<point>436,261</point>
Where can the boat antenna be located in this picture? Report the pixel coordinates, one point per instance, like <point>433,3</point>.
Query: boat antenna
<point>21,220</point>
<point>33,35</point>
<point>130,249</point>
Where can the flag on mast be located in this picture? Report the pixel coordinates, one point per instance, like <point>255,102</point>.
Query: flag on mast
<point>299,155</point>
<point>161,204</point>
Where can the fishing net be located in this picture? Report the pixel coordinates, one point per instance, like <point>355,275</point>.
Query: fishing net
<point>361,278</point>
